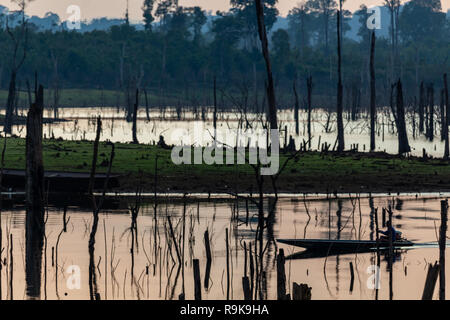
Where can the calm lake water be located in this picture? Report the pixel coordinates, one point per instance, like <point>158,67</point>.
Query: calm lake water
<point>115,128</point>
<point>155,274</point>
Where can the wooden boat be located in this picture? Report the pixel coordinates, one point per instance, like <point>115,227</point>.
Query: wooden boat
<point>343,245</point>
<point>59,181</point>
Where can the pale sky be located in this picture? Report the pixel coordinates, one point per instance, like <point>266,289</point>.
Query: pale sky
<point>116,8</point>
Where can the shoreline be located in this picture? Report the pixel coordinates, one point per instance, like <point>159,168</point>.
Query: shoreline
<point>309,172</point>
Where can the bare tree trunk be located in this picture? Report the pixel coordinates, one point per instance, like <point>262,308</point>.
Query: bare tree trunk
<point>265,49</point>
<point>94,157</point>
<point>421,107</point>
<point>296,110</point>
<point>34,196</point>
<point>447,115</point>
<point>10,103</point>
<point>215,110</point>
<point>135,112</point>
<point>147,111</point>
<point>443,118</point>
<point>373,111</point>
<point>340,122</point>
<point>309,85</point>
<point>403,144</point>
<point>431,112</point>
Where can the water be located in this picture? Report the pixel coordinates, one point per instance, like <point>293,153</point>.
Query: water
<point>349,218</point>
<point>81,125</point>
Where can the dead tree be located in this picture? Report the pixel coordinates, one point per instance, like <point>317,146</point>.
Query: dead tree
<point>430,133</point>
<point>443,118</point>
<point>373,111</point>
<point>340,122</point>
<point>272,112</point>
<point>19,38</point>
<point>447,115</point>
<point>296,110</point>
<point>147,111</point>
<point>403,144</point>
<point>135,113</point>
<point>421,107</point>
<point>34,190</point>
<point>309,85</point>
<point>215,110</point>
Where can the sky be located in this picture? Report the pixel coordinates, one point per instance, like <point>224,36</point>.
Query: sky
<point>116,8</point>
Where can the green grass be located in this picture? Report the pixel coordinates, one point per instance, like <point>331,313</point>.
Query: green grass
<point>130,158</point>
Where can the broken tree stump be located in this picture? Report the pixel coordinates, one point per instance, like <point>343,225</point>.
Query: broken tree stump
<point>301,292</point>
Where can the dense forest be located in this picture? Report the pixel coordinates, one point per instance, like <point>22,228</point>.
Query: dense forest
<point>181,52</point>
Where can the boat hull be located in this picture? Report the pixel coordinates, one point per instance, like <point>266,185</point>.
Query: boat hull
<point>343,245</point>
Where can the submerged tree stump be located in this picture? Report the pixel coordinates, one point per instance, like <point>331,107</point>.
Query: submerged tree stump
<point>430,283</point>
<point>301,292</point>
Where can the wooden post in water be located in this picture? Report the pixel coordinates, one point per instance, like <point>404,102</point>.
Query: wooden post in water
<point>281,276</point>
<point>301,292</point>
<point>208,259</point>
<point>228,264</point>
<point>197,281</point>
<point>352,276</point>
<point>430,282</point>
<point>442,244</point>
<point>252,268</point>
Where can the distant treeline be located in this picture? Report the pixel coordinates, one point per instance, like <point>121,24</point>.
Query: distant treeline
<point>175,55</point>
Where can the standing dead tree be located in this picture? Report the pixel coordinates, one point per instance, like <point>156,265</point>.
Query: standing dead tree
<point>272,112</point>
<point>135,114</point>
<point>19,39</point>
<point>421,107</point>
<point>373,110</point>
<point>403,144</point>
<point>296,110</point>
<point>447,115</point>
<point>430,133</point>
<point>340,122</point>
<point>34,195</point>
<point>309,85</point>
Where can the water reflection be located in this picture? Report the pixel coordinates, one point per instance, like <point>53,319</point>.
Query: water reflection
<point>135,254</point>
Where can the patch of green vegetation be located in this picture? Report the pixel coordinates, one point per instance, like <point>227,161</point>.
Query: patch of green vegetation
<point>130,158</point>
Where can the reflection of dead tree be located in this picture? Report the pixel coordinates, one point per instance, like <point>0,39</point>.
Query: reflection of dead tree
<point>35,226</point>
<point>93,291</point>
